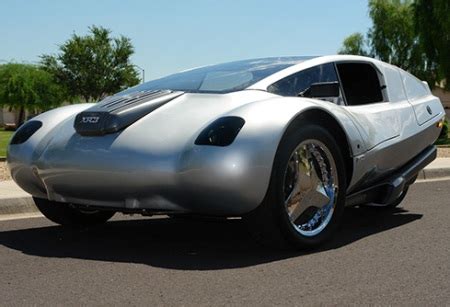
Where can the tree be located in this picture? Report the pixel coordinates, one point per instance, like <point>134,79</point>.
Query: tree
<point>94,65</point>
<point>354,44</point>
<point>432,24</point>
<point>27,87</point>
<point>393,39</point>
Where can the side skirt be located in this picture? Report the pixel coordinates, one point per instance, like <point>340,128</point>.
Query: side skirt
<point>388,189</point>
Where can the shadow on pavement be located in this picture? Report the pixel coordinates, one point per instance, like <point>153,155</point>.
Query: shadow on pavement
<point>183,244</point>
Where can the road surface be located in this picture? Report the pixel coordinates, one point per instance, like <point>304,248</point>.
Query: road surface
<point>399,258</point>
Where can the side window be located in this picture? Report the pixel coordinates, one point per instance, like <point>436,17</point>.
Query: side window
<point>360,83</point>
<point>302,80</point>
<point>414,87</point>
<point>394,83</point>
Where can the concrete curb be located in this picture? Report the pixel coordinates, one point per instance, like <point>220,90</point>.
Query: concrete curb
<point>17,205</point>
<point>439,168</point>
<point>434,173</point>
<point>13,200</point>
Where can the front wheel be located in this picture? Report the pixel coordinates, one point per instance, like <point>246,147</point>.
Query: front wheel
<point>67,215</point>
<point>306,195</point>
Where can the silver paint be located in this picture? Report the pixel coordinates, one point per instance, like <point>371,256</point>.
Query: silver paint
<point>155,165</point>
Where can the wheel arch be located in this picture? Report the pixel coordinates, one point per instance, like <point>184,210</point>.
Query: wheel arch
<point>332,125</point>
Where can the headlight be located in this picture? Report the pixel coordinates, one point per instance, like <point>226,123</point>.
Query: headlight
<point>25,132</point>
<point>221,132</point>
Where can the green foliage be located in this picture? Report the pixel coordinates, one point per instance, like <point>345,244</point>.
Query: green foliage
<point>432,24</point>
<point>392,34</point>
<point>355,44</point>
<point>5,136</point>
<point>27,87</point>
<point>94,65</point>
<point>393,38</point>
<point>443,136</point>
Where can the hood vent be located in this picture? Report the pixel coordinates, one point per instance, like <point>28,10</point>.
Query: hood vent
<point>118,112</point>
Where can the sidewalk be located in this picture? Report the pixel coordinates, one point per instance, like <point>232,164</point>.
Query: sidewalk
<point>15,201</point>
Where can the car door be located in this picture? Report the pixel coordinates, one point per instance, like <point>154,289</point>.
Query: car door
<point>367,91</point>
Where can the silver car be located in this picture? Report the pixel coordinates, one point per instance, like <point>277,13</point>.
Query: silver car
<point>283,142</point>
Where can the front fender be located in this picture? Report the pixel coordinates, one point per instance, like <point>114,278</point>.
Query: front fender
<point>20,155</point>
<point>245,166</point>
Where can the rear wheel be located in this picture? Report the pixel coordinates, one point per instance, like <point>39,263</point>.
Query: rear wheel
<point>306,196</point>
<point>68,215</point>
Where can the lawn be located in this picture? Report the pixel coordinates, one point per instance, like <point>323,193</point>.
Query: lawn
<point>5,136</point>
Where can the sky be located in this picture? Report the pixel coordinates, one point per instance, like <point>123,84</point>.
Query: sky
<point>173,35</point>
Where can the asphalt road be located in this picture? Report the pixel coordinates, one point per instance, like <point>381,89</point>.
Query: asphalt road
<point>399,258</point>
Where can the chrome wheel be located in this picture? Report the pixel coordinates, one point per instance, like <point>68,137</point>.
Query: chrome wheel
<point>310,187</point>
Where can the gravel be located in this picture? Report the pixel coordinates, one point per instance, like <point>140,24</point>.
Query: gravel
<point>444,152</point>
<point>4,173</point>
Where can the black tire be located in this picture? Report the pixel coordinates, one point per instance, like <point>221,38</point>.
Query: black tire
<point>269,223</point>
<point>67,215</point>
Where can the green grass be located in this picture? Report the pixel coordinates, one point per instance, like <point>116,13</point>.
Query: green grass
<point>5,136</point>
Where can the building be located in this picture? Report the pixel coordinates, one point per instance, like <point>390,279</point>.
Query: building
<point>7,117</point>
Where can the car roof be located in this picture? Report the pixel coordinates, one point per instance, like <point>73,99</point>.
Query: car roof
<point>308,62</point>
<point>293,60</point>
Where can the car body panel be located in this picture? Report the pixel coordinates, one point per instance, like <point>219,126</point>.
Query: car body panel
<point>170,172</point>
<point>426,106</point>
<point>154,164</point>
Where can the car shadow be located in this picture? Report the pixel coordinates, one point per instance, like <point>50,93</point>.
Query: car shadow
<point>186,244</point>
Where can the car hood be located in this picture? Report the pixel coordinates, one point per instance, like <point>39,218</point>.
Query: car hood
<point>162,135</point>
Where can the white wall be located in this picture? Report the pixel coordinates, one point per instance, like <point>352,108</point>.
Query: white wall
<point>7,117</point>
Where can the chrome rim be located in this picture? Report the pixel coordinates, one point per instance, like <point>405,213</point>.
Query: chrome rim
<point>310,187</point>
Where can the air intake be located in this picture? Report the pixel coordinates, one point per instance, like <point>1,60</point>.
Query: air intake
<point>115,113</point>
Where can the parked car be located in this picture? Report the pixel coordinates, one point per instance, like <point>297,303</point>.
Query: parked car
<point>284,142</point>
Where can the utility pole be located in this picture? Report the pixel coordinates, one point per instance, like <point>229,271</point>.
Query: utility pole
<point>143,72</point>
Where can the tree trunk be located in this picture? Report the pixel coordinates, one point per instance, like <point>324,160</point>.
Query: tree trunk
<point>21,117</point>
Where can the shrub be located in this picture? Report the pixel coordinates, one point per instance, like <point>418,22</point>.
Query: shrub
<point>443,137</point>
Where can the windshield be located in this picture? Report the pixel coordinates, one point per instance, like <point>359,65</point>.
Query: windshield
<point>221,78</point>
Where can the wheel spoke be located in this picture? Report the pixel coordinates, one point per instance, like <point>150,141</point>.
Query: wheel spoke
<point>308,188</point>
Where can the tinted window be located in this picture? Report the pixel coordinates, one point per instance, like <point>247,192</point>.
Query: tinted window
<point>360,83</point>
<point>221,78</point>
<point>301,81</point>
<point>414,87</point>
